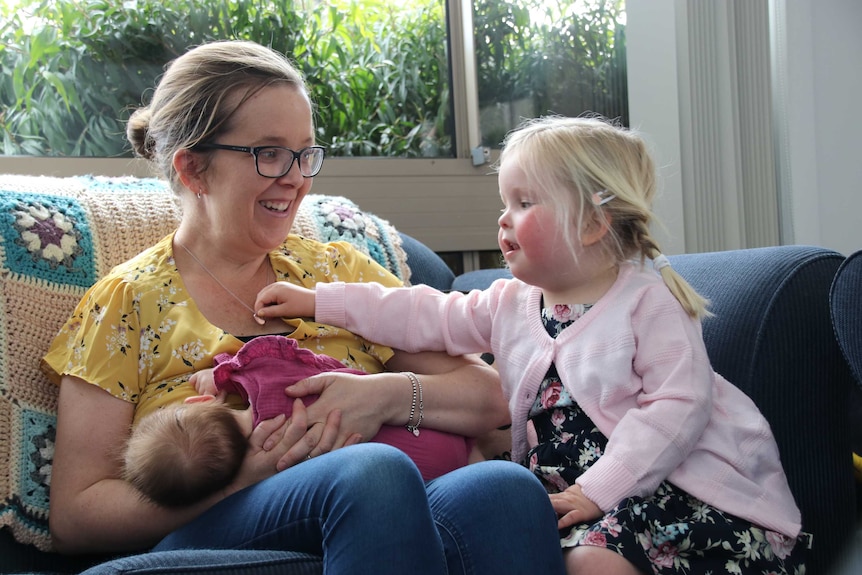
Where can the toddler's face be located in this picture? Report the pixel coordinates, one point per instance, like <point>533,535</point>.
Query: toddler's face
<point>529,236</point>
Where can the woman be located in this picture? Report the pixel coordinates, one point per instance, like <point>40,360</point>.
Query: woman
<point>230,126</point>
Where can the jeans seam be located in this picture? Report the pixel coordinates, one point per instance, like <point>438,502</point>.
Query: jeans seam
<point>467,567</point>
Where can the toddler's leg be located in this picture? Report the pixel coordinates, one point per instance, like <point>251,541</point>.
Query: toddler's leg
<point>586,560</point>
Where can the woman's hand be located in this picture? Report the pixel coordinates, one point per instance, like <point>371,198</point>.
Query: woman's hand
<point>460,395</point>
<point>278,443</point>
<point>347,394</point>
<point>284,299</point>
<point>573,507</point>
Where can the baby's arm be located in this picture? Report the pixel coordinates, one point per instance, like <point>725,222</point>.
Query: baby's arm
<point>283,299</point>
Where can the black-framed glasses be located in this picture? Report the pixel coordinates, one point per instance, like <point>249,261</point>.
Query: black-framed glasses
<point>276,161</point>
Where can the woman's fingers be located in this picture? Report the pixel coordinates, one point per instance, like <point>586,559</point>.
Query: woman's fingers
<point>332,436</point>
<point>318,439</point>
<point>293,442</point>
<point>267,433</point>
<point>313,385</point>
<point>298,439</point>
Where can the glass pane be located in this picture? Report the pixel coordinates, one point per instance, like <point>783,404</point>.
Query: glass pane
<point>537,57</point>
<point>71,69</point>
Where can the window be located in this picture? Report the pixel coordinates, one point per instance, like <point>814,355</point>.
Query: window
<point>378,69</point>
<point>537,57</point>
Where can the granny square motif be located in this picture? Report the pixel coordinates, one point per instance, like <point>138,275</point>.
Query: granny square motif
<point>46,237</point>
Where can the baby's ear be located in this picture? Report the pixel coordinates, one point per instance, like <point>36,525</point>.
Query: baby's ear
<point>199,399</point>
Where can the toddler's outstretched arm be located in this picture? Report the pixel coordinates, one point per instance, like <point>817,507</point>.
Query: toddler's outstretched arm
<point>284,299</point>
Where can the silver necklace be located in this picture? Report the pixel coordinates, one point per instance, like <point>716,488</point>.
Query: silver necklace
<point>256,317</point>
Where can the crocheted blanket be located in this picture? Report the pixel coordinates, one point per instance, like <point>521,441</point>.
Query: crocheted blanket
<point>57,236</point>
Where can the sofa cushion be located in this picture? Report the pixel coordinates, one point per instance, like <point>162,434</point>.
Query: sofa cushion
<point>57,236</point>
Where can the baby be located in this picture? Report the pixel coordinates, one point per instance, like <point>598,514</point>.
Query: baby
<point>181,454</point>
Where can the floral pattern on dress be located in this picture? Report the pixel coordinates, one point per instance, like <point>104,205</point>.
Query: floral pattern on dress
<point>668,532</point>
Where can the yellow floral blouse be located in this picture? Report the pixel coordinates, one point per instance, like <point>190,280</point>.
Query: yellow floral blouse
<point>138,334</point>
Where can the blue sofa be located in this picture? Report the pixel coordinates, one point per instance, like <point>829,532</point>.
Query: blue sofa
<point>771,336</point>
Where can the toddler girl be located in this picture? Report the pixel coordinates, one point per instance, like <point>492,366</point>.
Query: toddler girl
<point>654,462</point>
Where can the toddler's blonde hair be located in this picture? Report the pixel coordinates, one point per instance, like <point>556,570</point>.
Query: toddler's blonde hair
<point>578,162</point>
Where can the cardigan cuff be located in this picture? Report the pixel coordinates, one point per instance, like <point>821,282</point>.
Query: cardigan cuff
<point>329,304</point>
<point>607,483</point>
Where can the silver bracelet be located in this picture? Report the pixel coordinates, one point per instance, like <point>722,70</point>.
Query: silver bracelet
<point>417,394</point>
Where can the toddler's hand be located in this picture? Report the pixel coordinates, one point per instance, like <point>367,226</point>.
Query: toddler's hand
<point>284,299</point>
<point>573,507</point>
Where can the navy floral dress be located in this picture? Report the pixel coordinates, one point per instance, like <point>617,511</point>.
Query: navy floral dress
<point>667,532</point>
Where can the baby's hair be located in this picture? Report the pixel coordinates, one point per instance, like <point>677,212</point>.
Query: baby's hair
<point>182,454</point>
<point>199,93</point>
<point>596,170</point>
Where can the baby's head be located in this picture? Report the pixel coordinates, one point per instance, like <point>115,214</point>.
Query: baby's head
<point>182,454</point>
<point>590,168</point>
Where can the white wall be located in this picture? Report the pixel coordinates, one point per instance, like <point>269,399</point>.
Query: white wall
<point>836,80</point>
<point>654,106</point>
<point>817,88</point>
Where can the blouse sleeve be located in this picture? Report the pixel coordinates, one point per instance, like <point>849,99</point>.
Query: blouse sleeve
<point>100,343</point>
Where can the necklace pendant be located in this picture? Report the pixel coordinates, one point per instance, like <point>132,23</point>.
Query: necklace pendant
<point>258,319</point>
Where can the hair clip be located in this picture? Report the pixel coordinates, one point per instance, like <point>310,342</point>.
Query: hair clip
<point>602,197</point>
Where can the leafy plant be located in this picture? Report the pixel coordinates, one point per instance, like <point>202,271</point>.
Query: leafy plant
<point>542,57</point>
<point>72,70</point>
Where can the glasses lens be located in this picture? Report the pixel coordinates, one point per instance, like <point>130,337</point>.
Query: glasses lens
<point>310,161</point>
<point>273,162</point>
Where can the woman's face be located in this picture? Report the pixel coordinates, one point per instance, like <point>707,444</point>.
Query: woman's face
<point>253,209</point>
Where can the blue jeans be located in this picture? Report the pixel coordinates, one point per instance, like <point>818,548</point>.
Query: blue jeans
<point>365,509</point>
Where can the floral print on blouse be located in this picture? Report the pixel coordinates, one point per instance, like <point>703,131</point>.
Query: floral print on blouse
<point>139,335</point>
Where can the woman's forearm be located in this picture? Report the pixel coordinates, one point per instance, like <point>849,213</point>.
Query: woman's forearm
<point>111,516</point>
<point>460,395</point>
<point>92,508</point>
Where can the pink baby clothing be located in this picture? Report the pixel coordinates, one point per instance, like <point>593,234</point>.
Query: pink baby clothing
<point>266,365</point>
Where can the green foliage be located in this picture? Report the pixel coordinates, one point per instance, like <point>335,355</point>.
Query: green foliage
<point>539,57</point>
<point>72,70</point>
